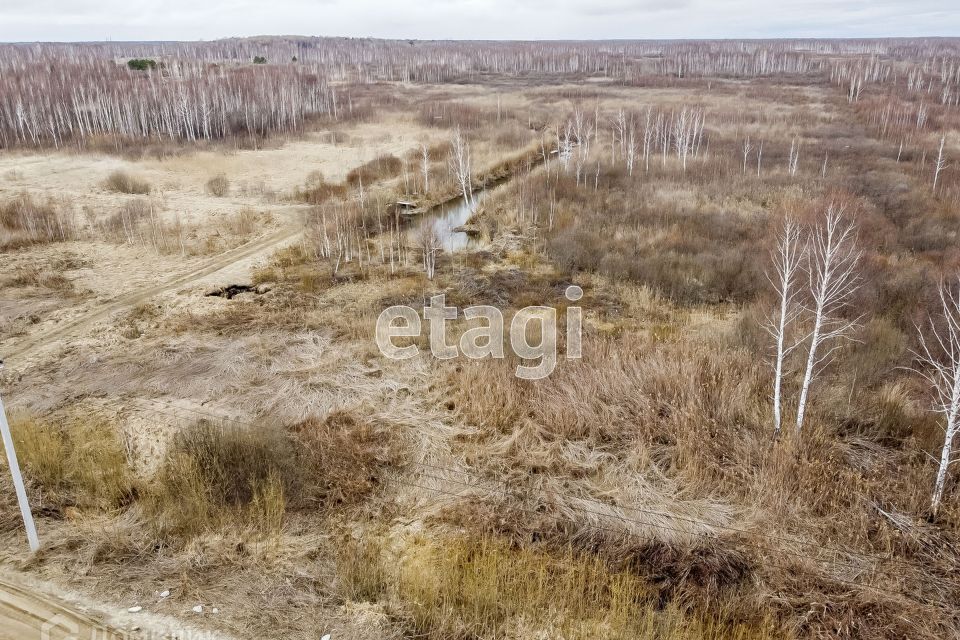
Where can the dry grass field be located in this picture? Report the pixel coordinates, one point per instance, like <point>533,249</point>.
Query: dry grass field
<point>200,407</point>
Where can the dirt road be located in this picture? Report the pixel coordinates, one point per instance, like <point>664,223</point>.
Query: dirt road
<point>34,343</point>
<point>29,615</point>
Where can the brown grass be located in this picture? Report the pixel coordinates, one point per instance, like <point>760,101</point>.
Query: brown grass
<point>481,588</point>
<point>73,463</point>
<point>216,474</point>
<point>123,182</point>
<point>25,221</point>
<point>218,186</point>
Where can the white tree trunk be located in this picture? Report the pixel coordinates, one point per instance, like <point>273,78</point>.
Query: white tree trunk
<point>833,278</point>
<point>943,373</point>
<point>787,257</point>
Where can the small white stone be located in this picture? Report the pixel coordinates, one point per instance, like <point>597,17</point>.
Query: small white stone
<point>326,637</point>
<point>165,593</point>
<point>215,610</point>
<point>198,608</point>
<point>137,609</point>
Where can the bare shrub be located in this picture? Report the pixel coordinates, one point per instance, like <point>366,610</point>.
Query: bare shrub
<point>25,221</point>
<point>242,223</point>
<point>218,186</point>
<point>139,222</point>
<point>123,225</point>
<point>483,588</point>
<point>344,457</point>
<point>212,472</point>
<point>123,182</point>
<point>362,573</point>
<point>76,462</point>
<point>380,168</point>
<point>317,190</point>
<point>214,475</point>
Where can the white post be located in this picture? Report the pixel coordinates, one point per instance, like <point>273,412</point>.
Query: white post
<point>18,481</point>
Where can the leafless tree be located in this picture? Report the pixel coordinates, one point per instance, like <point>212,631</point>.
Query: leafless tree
<point>787,257</point>
<point>425,166</point>
<point>687,129</point>
<point>430,247</point>
<point>648,137</point>
<point>940,164</point>
<point>794,158</point>
<point>833,277</point>
<point>939,358</point>
<point>460,165</point>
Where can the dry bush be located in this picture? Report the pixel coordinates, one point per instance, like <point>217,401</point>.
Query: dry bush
<point>344,457</point>
<point>484,589</point>
<point>139,222</point>
<point>243,223</point>
<point>692,252</point>
<point>73,462</point>
<point>123,182</point>
<point>215,474</point>
<point>25,221</point>
<point>451,114</point>
<point>317,190</point>
<point>380,168</point>
<point>361,573</point>
<point>218,186</point>
<point>123,225</point>
<point>33,276</point>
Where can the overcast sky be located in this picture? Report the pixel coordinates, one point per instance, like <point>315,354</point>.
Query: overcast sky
<point>29,20</point>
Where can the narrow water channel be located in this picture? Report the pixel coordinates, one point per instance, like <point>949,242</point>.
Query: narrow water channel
<point>450,215</point>
<point>445,218</point>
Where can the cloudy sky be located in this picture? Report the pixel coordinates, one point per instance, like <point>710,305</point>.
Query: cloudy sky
<point>29,20</point>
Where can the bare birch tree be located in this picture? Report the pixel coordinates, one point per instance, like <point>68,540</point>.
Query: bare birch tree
<point>460,166</point>
<point>940,164</point>
<point>794,159</point>
<point>430,245</point>
<point>939,357</point>
<point>787,255</point>
<point>833,276</point>
<point>425,166</point>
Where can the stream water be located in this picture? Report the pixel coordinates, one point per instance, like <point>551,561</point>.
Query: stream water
<point>448,216</point>
<point>454,213</point>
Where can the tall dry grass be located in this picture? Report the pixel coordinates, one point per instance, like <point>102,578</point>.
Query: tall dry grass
<point>217,474</point>
<point>74,462</point>
<point>25,220</point>
<point>481,588</point>
<point>659,456</point>
<point>124,182</point>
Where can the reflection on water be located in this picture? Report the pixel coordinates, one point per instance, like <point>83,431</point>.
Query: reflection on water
<point>447,217</point>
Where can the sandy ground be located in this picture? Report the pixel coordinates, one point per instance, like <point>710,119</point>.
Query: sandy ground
<point>34,610</point>
<point>107,277</point>
<point>258,178</point>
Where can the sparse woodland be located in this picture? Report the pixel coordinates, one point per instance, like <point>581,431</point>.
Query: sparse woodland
<point>760,440</point>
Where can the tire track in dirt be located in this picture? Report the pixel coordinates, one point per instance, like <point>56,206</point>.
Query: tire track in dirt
<point>34,343</point>
<point>30,615</point>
